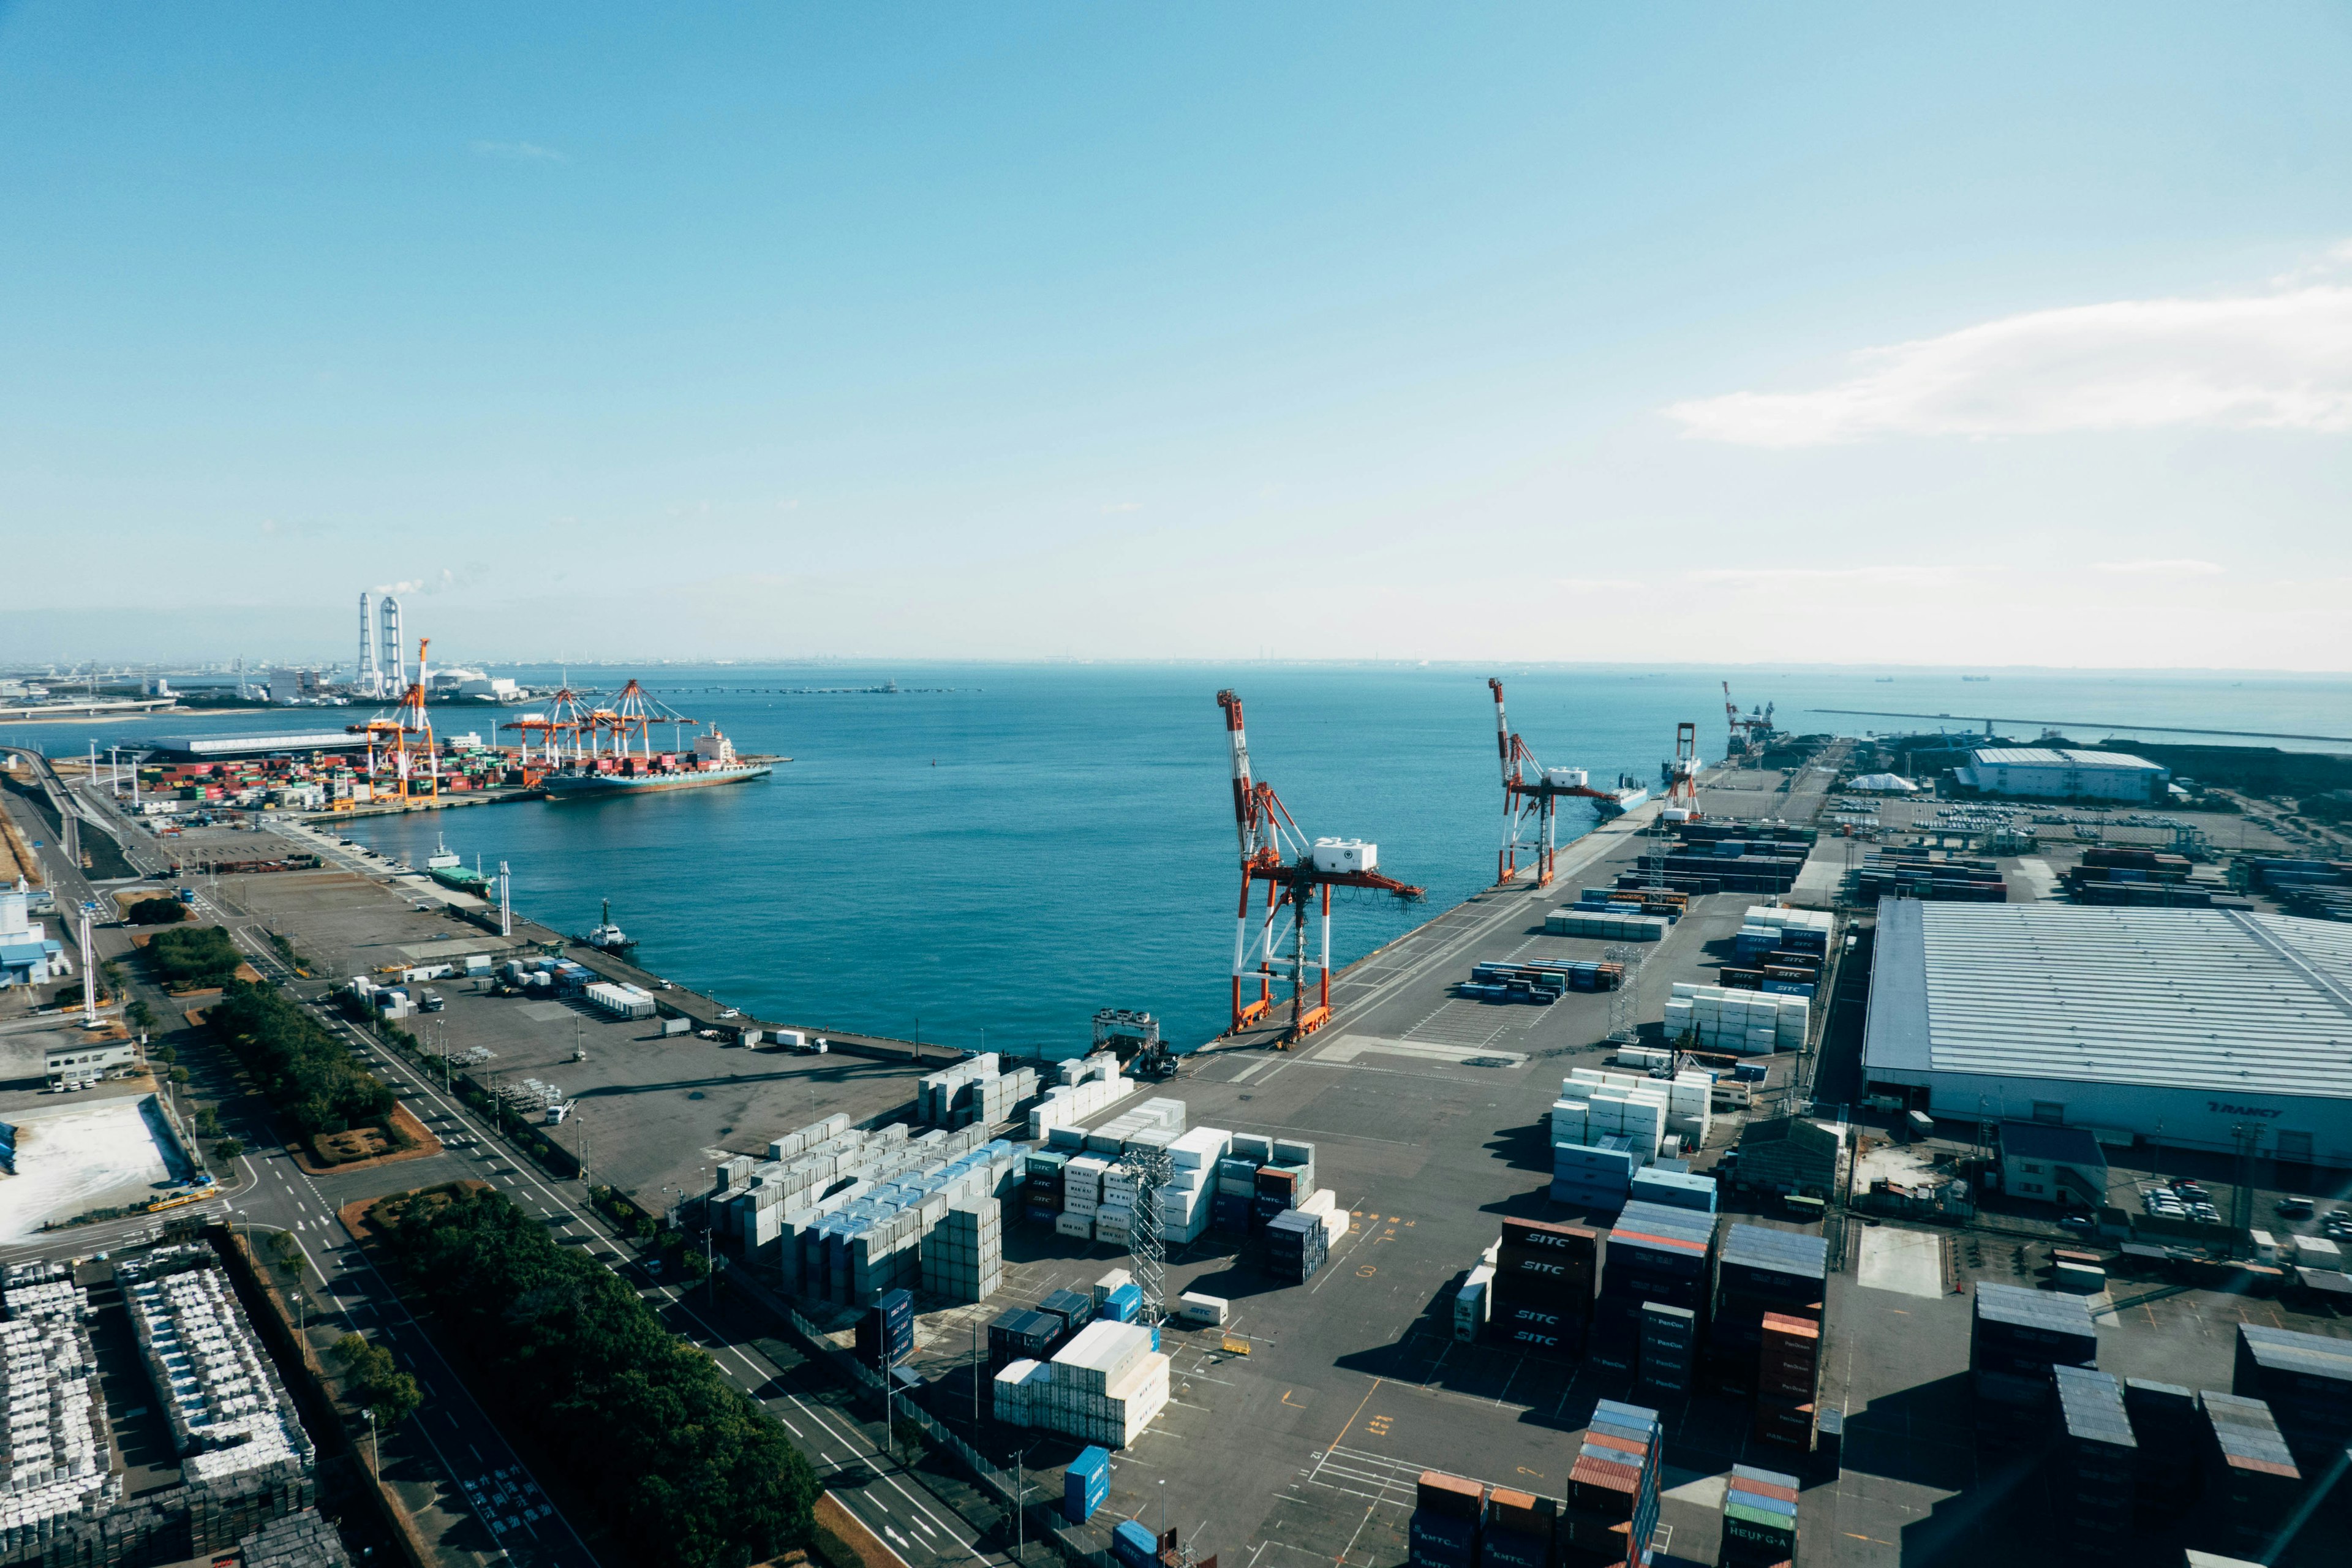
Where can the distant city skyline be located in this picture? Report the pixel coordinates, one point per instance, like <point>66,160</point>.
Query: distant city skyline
<point>2001,338</point>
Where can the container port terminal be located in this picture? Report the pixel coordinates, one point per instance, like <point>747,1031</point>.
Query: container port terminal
<point>1427,1083</point>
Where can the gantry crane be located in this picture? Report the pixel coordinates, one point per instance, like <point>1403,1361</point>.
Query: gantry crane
<point>629,723</point>
<point>400,743</point>
<point>1296,873</point>
<point>1531,796</point>
<point>1681,774</point>
<point>558,733</point>
<point>1750,729</point>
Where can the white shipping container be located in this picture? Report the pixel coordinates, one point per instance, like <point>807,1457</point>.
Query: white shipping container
<point>1345,855</point>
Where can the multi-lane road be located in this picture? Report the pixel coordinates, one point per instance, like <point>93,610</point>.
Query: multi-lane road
<point>485,1477</point>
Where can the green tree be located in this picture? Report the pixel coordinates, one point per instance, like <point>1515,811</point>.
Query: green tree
<point>227,1148</point>
<point>179,1075</point>
<point>688,1469</point>
<point>167,1055</point>
<point>379,1384</point>
<point>157,912</point>
<point>142,1016</point>
<point>208,1120</point>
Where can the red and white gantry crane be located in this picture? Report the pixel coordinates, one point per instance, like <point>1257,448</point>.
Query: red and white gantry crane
<point>1681,773</point>
<point>1531,796</point>
<point>1296,873</point>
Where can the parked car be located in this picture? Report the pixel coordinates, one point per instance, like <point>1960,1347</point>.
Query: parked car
<point>2293,1209</point>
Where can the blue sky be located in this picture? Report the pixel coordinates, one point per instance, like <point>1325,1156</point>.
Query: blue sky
<point>2013,335</point>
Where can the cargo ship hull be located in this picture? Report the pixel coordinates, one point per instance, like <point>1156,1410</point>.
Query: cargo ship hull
<point>577,786</point>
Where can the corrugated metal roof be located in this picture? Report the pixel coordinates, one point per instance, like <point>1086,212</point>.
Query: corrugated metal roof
<point>2203,999</point>
<point>2055,757</point>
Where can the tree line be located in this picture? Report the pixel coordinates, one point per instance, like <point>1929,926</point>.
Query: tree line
<point>686,1467</point>
<point>300,1069</point>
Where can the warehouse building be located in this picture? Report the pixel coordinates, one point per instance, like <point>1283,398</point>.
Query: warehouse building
<point>2048,773</point>
<point>2172,1025</point>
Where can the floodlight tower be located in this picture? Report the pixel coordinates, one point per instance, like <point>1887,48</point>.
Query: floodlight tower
<point>1531,796</point>
<point>1296,873</point>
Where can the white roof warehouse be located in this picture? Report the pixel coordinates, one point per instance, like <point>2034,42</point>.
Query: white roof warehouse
<point>2063,774</point>
<point>2175,1024</point>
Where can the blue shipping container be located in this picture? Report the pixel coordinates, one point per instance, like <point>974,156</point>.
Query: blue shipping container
<point>1134,1545</point>
<point>1086,1484</point>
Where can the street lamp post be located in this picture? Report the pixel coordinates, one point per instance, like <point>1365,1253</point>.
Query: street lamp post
<point>375,1446</point>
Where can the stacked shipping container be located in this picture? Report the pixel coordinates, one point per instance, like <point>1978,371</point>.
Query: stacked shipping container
<point>1539,1295</point>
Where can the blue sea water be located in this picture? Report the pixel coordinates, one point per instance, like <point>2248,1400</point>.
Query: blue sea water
<point>994,852</point>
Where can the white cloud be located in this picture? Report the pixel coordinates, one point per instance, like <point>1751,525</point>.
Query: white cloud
<point>1762,575</point>
<point>518,152</point>
<point>2276,361</point>
<point>2175,568</point>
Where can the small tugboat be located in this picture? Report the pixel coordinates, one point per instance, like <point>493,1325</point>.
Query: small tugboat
<point>610,938</point>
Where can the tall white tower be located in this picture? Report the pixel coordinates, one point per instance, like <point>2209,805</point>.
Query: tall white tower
<point>368,678</point>
<point>394,673</point>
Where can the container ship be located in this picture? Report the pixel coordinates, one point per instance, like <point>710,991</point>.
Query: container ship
<point>714,762</point>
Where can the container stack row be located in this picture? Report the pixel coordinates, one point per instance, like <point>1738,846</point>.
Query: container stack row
<point>1613,1486</point>
<point>1760,1519</point>
<point>978,1090</point>
<point>867,1237</point>
<point>2166,1423</point>
<point>1184,1203</point>
<point>1447,1514</point>
<point>1788,1382</point>
<point>2251,1481</point>
<point>1726,866</point>
<point>885,1331</point>
<point>1104,1387</point>
<point>1296,1246</point>
<point>963,1254</point>
<point>1085,1483</point>
<point>2306,1381</point>
<point>1084,1089</point>
<point>1669,1349</point>
<point>1654,1254</point>
<point>2094,1464</point>
<point>1761,1272</point>
<point>1606,925</point>
<point>2018,1335</point>
<point>1916,874</point>
<point>1539,1296</point>
<point>1735,1021</point>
